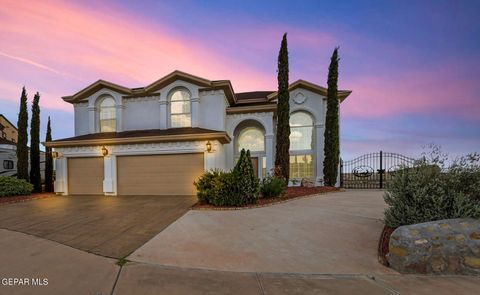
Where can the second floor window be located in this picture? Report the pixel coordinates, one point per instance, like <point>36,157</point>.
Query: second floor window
<point>180,113</point>
<point>107,120</point>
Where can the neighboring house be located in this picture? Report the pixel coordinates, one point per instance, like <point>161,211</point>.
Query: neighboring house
<point>8,149</point>
<point>8,131</point>
<point>158,139</point>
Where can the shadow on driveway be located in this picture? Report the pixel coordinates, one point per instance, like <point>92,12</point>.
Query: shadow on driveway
<point>108,226</point>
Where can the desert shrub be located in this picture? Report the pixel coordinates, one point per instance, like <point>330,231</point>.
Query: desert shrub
<point>236,188</point>
<point>434,189</point>
<point>11,186</point>
<point>272,186</point>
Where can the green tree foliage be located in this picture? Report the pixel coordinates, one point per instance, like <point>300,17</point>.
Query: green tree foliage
<point>433,190</point>
<point>48,160</point>
<point>22,148</point>
<point>35,177</point>
<point>331,135</point>
<point>282,156</point>
<point>247,182</point>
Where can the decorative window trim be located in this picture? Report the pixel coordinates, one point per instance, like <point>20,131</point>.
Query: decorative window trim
<point>169,103</point>
<point>99,110</point>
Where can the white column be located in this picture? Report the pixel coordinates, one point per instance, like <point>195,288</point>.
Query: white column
<point>195,112</point>
<point>110,175</point>
<point>163,112</point>
<point>61,180</point>
<point>319,130</point>
<point>269,151</point>
<point>91,119</point>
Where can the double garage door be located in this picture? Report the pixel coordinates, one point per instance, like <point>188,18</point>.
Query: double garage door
<point>138,175</point>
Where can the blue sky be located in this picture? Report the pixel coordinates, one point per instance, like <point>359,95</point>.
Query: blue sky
<point>412,65</point>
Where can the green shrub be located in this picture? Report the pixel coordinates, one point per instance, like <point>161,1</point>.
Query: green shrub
<point>433,190</point>
<point>272,187</point>
<point>236,188</point>
<point>204,185</point>
<point>11,186</point>
<point>248,185</point>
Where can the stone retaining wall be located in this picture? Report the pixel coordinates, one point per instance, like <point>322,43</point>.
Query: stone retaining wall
<point>439,247</point>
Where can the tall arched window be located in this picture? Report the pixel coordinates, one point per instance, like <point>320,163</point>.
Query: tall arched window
<point>251,138</point>
<point>180,114</point>
<point>302,146</point>
<point>250,135</point>
<point>107,115</point>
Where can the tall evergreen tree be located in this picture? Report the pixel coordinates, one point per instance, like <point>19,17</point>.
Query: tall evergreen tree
<point>331,135</point>
<point>48,161</point>
<point>282,156</point>
<point>35,177</point>
<point>22,148</point>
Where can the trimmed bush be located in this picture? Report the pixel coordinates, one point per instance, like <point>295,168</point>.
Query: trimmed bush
<point>11,186</point>
<point>433,190</point>
<point>248,185</point>
<point>236,188</point>
<point>204,185</point>
<point>272,187</point>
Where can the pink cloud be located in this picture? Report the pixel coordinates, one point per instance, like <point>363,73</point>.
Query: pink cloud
<point>412,92</point>
<point>91,44</point>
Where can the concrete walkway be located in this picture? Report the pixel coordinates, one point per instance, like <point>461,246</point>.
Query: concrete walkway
<point>335,233</point>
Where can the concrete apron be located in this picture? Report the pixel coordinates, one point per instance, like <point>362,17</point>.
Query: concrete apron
<point>335,233</point>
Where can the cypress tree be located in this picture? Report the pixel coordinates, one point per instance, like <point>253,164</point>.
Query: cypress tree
<point>282,157</point>
<point>22,148</point>
<point>35,177</point>
<point>331,135</point>
<point>48,161</point>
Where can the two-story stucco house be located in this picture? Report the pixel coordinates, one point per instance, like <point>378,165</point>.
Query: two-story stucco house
<point>158,139</point>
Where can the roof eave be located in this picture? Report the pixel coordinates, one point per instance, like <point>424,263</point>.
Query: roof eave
<point>220,136</point>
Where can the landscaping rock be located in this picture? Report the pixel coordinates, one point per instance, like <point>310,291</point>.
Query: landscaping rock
<point>439,247</point>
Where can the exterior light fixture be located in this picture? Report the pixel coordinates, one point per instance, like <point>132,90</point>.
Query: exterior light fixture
<point>104,151</point>
<point>55,154</point>
<point>209,146</point>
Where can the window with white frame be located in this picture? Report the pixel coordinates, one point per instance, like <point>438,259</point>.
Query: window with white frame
<point>302,143</point>
<point>107,115</point>
<point>180,109</point>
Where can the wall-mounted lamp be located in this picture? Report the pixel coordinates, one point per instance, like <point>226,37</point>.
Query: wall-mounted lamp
<point>55,154</point>
<point>209,146</point>
<point>104,151</point>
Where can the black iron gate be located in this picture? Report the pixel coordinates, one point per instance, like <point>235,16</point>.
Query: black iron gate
<point>374,170</point>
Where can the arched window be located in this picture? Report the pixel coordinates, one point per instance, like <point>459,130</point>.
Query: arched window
<point>302,146</point>
<point>301,131</point>
<point>250,135</point>
<point>107,115</point>
<point>180,114</point>
<point>251,138</point>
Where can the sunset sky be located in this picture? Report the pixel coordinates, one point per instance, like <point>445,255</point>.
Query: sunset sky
<point>413,66</point>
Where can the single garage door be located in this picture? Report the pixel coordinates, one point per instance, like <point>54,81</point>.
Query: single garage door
<point>85,176</point>
<point>158,174</point>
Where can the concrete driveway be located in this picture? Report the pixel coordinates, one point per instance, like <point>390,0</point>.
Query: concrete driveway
<point>339,261</point>
<point>332,233</point>
<point>108,226</point>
